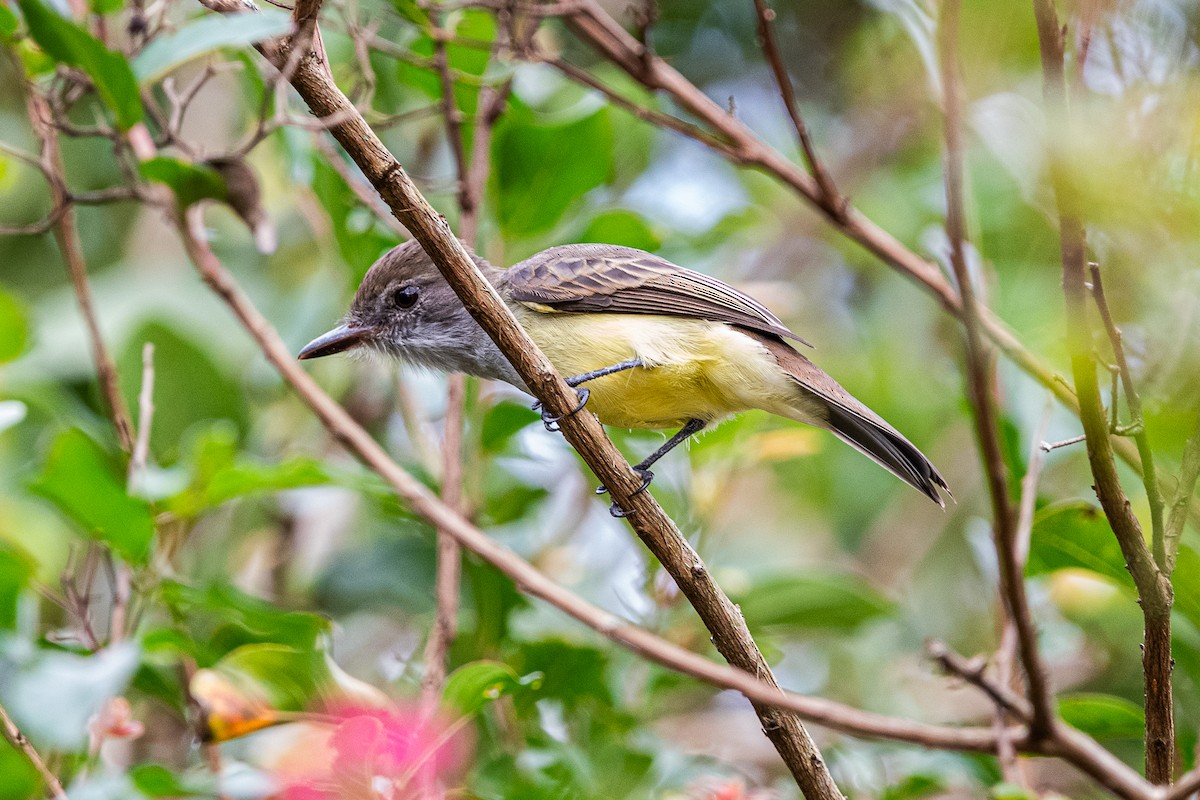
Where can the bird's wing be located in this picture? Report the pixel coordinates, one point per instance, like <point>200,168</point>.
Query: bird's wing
<point>610,279</point>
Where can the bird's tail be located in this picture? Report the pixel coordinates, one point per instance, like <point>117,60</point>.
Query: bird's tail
<point>821,401</point>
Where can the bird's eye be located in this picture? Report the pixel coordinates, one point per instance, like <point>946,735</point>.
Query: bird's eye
<point>405,296</point>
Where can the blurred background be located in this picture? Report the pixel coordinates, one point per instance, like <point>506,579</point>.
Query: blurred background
<point>264,532</point>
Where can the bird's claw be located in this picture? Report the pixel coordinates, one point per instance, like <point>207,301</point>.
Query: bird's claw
<point>647,477</point>
<point>551,421</point>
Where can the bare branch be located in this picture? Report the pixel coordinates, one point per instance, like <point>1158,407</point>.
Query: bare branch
<point>1137,423</point>
<point>1153,585</point>
<point>981,381</point>
<point>18,740</point>
<point>833,203</point>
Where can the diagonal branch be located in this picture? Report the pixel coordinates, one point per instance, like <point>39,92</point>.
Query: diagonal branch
<point>829,198</point>
<point>1153,585</point>
<point>981,382</point>
<point>1068,743</point>
<point>724,621</point>
<point>17,739</point>
<point>596,27</point>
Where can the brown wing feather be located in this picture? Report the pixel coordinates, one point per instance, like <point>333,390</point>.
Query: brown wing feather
<point>854,423</point>
<point>591,278</point>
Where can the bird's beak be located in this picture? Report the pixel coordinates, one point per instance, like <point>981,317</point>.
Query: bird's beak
<point>343,337</point>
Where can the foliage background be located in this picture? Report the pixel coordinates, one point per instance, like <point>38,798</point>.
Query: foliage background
<point>256,528</point>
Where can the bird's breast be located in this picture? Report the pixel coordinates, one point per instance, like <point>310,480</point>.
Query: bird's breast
<point>694,369</point>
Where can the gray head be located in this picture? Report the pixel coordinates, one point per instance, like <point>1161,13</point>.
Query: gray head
<point>405,309</point>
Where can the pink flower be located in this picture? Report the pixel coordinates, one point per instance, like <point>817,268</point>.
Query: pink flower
<point>114,720</point>
<point>374,753</point>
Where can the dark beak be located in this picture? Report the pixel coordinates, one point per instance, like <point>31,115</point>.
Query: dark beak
<point>343,337</point>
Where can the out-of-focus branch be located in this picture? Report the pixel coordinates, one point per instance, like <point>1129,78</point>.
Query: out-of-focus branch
<point>527,577</point>
<point>730,635</point>
<point>1137,424</point>
<point>833,204</point>
<point>66,235</point>
<point>1153,585</point>
<point>981,385</point>
<point>18,740</point>
<point>1188,472</point>
<point>593,25</point>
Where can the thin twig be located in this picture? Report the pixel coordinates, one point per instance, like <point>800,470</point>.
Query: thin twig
<point>1137,423</point>
<point>1188,473</point>
<point>1153,586</point>
<point>981,381</point>
<point>830,199</point>
<point>18,740</point>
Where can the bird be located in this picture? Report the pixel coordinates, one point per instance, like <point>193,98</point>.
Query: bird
<point>658,346</point>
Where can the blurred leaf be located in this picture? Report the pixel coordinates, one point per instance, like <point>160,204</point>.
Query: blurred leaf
<point>503,421</point>
<point>812,601</point>
<point>472,686</point>
<point>223,618</point>
<point>65,41</point>
<point>188,387</point>
<point>393,571</point>
<point>541,166</point>
<point>412,11</point>
<point>467,62</point>
<point>8,20</point>
<point>155,780</point>
<point>1103,716</point>
<point>191,183</point>
<point>14,327</point>
<point>361,239</point>
<point>618,226</point>
<point>51,695</point>
<point>16,569</point>
<point>1075,534</point>
<point>18,779</point>
<point>11,413</point>
<point>105,6</point>
<point>1009,791</point>
<point>204,35</point>
<point>913,787</point>
<point>82,481</point>
<point>573,674</point>
<point>218,475</point>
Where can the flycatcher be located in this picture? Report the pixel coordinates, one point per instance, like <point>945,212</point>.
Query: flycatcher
<point>658,346</point>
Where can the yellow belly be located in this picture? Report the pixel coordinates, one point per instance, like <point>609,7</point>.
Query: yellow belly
<point>694,369</point>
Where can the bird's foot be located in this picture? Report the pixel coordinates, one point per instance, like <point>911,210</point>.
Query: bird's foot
<point>646,475</point>
<point>551,421</point>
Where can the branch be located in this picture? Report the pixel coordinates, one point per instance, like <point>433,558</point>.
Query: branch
<point>533,582</point>
<point>1188,472</point>
<point>722,618</point>
<point>833,203</point>
<point>67,236</point>
<point>981,381</point>
<point>592,24</point>
<point>1153,586</point>
<point>1137,423</point>
<point>18,740</point>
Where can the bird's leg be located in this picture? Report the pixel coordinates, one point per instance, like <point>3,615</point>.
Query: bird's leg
<point>693,426</point>
<point>551,422</point>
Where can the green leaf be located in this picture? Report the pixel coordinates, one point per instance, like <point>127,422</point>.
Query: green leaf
<point>81,480</point>
<point>218,475</point>
<point>14,326</point>
<point>155,780</point>
<point>503,421</point>
<point>205,35</point>
<point>8,20</point>
<point>813,601</point>
<point>1075,534</point>
<point>68,43</point>
<point>16,569</point>
<point>191,183</point>
<point>189,387</point>
<point>472,686</point>
<point>1103,716</point>
<point>105,6</point>
<point>543,166</point>
<point>289,679</point>
<point>223,618</point>
<point>361,239</point>
<point>621,227</point>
